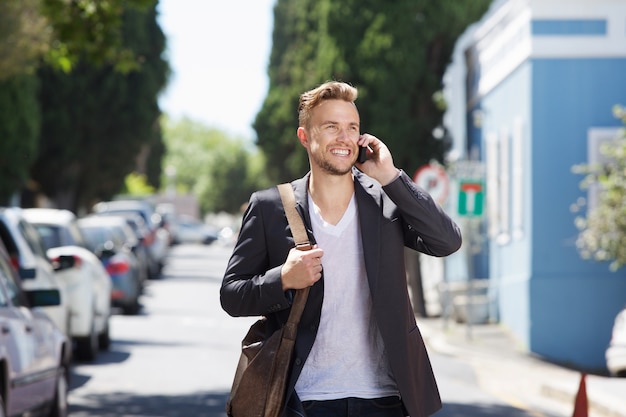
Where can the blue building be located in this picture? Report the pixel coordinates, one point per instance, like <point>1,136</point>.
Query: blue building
<point>530,91</point>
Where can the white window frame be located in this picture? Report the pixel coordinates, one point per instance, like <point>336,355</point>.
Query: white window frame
<point>517,178</point>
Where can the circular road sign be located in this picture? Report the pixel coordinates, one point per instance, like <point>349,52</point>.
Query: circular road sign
<point>434,179</point>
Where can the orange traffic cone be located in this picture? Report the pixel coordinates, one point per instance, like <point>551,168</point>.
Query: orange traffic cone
<point>581,405</point>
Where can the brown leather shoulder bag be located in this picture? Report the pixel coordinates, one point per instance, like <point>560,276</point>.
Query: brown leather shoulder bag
<point>261,377</point>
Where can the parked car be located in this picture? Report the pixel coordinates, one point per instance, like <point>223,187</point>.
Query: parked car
<point>616,352</point>
<point>168,214</point>
<point>142,251</point>
<point>28,256</point>
<point>34,353</point>
<point>191,230</point>
<point>79,269</point>
<point>157,240</point>
<point>111,239</point>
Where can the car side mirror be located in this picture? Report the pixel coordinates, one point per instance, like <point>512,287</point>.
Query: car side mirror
<point>64,262</point>
<point>43,298</point>
<point>28,273</point>
<point>105,250</point>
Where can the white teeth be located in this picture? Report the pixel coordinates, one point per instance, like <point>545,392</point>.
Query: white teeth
<point>340,152</point>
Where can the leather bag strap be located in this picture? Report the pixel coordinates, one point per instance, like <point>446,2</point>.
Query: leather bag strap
<point>301,239</point>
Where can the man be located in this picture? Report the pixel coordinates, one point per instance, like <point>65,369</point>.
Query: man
<point>358,350</point>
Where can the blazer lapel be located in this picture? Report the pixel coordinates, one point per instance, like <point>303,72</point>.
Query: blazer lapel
<point>300,190</point>
<point>368,201</point>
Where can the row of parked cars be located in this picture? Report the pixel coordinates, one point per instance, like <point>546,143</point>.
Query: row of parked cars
<point>60,279</point>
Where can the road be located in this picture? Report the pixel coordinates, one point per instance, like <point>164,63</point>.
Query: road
<point>177,357</point>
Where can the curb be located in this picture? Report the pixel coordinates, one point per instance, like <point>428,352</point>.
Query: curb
<point>597,404</point>
<point>562,385</point>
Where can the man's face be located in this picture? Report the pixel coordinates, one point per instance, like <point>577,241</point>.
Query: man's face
<point>332,135</point>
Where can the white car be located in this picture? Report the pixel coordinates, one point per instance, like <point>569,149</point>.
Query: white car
<point>87,283</point>
<point>616,352</point>
<point>29,258</point>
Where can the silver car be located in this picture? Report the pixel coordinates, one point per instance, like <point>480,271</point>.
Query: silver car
<point>112,239</point>
<point>34,353</point>
<point>157,239</point>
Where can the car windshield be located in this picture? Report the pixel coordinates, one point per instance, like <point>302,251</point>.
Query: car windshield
<point>95,237</point>
<point>50,236</point>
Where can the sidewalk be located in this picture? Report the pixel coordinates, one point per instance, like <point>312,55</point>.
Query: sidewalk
<point>504,368</point>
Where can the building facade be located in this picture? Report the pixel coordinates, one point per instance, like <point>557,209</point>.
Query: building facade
<point>530,91</point>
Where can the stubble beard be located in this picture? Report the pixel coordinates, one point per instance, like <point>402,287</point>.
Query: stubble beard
<point>328,167</point>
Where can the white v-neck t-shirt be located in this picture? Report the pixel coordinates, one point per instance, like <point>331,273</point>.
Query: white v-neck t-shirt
<point>348,358</point>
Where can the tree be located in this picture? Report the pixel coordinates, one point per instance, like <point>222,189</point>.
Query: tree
<point>61,32</point>
<point>394,53</point>
<point>24,37</point>
<point>602,234</point>
<point>19,132</point>
<point>99,123</point>
<point>90,31</point>
<point>64,32</point>
<point>220,170</point>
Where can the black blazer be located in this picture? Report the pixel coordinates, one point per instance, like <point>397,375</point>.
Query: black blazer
<point>391,217</point>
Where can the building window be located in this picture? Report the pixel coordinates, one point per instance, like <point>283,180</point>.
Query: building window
<point>505,183</point>
<point>492,192</point>
<point>517,178</point>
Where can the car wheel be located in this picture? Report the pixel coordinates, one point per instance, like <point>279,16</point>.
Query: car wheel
<point>132,309</point>
<point>87,347</point>
<point>104,338</point>
<point>155,270</point>
<point>59,405</point>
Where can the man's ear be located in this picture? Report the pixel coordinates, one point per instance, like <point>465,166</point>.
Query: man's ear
<point>304,138</point>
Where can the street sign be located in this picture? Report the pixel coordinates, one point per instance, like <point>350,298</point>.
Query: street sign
<point>471,197</point>
<point>434,179</point>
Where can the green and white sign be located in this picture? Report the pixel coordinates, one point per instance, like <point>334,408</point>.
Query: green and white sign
<point>471,197</point>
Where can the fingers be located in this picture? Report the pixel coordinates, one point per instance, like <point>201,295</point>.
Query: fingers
<point>302,268</point>
<point>379,164</point>
<point>377,149</point>
<point>369,140</point>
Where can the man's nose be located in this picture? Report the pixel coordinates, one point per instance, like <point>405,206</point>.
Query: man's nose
<point>346,135</point>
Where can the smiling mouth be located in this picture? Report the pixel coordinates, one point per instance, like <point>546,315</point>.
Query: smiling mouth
<point>340,152</point>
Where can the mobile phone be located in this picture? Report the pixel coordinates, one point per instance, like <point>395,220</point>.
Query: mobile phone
<point>362,154</point>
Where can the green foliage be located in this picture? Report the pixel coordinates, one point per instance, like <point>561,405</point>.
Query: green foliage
<point>24,37</point>
<point>19,129</point>
<point>394,53</point>
<point>65,33</point>
<point>91,31</point>
<point>221,171</point>
<point>98,124</point>
<point>137,185</point>
<point>602,234</point>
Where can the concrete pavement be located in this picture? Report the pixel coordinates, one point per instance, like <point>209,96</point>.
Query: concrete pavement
<point>505,369</point>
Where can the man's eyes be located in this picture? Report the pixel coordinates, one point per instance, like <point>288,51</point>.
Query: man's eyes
<point>335,127</point>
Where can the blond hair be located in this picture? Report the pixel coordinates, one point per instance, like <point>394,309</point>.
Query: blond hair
<point>331,90</point>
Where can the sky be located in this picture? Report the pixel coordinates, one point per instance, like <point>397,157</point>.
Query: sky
<point>218,52</point>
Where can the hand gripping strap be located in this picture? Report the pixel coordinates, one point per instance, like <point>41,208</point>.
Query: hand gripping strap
<point>301,240</point>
